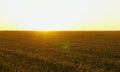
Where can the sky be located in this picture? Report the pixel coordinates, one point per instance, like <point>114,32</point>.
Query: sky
<point>59,14</point>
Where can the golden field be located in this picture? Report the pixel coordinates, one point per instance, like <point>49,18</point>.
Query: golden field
<point>60,51</point>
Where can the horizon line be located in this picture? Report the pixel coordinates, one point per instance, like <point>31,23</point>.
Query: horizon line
<point>59,30</point>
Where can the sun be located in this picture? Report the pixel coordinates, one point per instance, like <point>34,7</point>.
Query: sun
<point>45,27</point>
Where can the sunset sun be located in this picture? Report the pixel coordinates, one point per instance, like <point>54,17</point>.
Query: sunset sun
<point>46,27</point>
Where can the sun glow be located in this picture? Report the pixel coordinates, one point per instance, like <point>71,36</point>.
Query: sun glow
<point>46,27</point>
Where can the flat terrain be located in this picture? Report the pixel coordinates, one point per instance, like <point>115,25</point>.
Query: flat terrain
<point>34,51</point>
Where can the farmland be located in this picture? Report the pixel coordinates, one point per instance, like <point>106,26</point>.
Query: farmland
<point>65,51</point>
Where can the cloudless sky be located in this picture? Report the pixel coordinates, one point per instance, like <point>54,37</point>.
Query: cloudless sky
<point>59,14</point>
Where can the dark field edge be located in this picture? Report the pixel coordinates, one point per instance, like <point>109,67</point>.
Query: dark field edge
<point>60,32</point>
